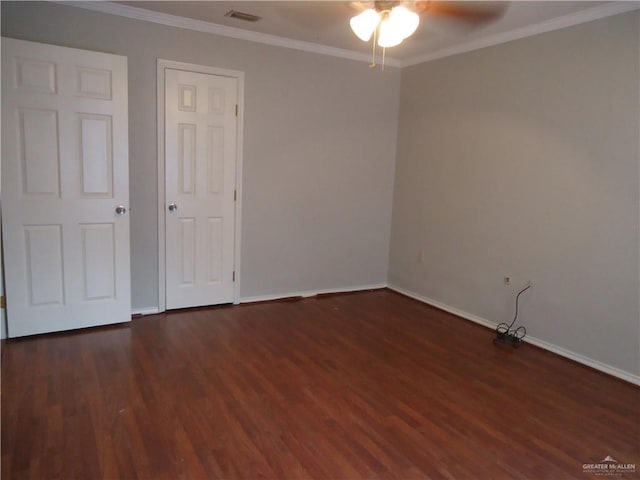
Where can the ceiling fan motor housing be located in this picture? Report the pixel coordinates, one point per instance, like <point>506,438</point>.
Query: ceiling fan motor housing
<point>385,5</point>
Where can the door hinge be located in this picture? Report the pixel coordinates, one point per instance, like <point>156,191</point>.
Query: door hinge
<point>236,109</point>
<point>235,195</point>
<point>234,277</point>
<point>3,302</point>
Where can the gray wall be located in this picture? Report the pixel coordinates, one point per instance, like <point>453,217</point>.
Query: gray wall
<point>522,160</point>
<point>319,149</point>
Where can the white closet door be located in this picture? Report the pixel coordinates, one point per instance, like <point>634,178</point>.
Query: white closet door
<point>200,156</point>
<point>65,188</point>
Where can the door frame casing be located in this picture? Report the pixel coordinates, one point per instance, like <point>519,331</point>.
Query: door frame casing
<point>191,67</point>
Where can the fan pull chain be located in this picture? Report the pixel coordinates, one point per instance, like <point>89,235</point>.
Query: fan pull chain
<point>384,51</point>
<point>373,53</point>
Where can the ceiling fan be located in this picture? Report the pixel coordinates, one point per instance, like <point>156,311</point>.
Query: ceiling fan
<point>390,22</point>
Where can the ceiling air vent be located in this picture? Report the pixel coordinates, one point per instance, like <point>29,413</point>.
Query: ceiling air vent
<point>247,17</point>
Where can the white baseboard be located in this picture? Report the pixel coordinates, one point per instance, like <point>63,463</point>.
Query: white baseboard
<point>145,311</point>
<point>280,296</point>
<point>311,293</point>
<point>576,357</point>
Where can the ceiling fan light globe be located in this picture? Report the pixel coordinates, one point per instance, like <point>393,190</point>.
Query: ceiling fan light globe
<point>365,23</point>
<point>404,21</point>
<point>390,35</point>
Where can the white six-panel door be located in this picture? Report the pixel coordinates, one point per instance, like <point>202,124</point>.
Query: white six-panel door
<point>65,188</point>
<point>200,172</point>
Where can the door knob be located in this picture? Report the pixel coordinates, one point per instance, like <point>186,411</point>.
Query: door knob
<point>173,207</point>
<point>121,210</point>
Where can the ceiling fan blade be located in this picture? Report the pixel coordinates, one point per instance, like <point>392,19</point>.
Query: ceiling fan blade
<point>472,12</point>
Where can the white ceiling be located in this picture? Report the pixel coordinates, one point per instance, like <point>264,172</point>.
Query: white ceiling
<point>326,23</point>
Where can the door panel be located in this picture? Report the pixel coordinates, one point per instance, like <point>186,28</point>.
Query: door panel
<point>98,255</point>
<point>187,251</point>
<point>38,137</point>
<point>64,172</point>
<point>43,252</point>
<point>96,160</point>
<point>200,155</point>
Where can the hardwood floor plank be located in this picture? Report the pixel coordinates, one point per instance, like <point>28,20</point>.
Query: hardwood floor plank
<point>367,385</point>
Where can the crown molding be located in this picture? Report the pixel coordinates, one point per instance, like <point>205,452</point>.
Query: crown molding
<point>587,15</point>
<point>217,29</point>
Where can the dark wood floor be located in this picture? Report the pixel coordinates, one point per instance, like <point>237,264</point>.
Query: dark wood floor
<point>369,385</point>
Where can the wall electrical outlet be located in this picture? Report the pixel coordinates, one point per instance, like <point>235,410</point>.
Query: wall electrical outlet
<point>507,280</point>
